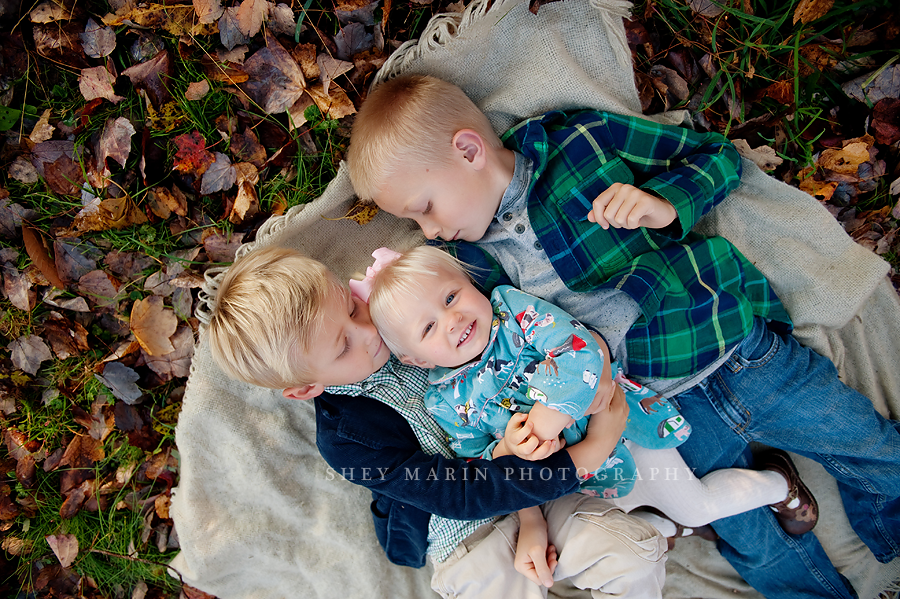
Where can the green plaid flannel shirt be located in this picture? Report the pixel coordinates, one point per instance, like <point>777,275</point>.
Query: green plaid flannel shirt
<point>698,296</point>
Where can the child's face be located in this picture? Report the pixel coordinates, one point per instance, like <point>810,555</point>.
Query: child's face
<point>349,347</point>
<point>449,326</point>
<point>450,202</point>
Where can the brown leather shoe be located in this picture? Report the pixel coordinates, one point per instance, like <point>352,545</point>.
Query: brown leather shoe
<point>798,513</point>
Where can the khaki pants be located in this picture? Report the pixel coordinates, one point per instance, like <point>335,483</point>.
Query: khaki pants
<point>600,549</point>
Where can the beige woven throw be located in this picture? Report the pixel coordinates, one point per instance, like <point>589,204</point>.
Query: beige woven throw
<point>258,512</point>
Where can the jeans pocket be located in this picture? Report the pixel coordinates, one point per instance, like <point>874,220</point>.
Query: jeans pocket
<point>756,354</point>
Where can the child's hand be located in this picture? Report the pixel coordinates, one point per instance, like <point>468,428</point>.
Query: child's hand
<point>627,207</point>
<point>518,440</point>
<point>536,559</point>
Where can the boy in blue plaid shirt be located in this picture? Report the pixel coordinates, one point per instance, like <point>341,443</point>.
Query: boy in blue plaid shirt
<point>593,212</point>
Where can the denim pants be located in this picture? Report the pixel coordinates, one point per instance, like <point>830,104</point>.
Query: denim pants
<point>777,392</point>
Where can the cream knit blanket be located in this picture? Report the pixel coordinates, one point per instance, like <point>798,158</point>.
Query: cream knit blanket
<point>258,512</point>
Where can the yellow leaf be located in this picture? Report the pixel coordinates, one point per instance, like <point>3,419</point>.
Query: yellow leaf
<point>360,212</point>
<point>153,325</point>
<point>810,10</point>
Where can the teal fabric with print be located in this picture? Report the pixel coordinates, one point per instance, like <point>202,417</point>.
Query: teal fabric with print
<point>538,352</point>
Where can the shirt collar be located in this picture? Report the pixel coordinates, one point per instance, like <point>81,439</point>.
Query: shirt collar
<point>517,187</point>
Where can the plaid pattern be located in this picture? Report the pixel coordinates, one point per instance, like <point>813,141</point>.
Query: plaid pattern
<point>697,296</point>
<point>402,387</point>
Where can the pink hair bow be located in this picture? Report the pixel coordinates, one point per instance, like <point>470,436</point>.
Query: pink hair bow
<point>362,289</point>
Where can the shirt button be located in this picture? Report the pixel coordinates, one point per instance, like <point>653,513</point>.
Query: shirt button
<point>520,228</point>
<point>508,216</point>
<point>538,246</point>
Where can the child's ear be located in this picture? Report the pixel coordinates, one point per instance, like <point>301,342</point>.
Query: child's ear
<point>304,391</point>
<point>471,146</point>
<point>416,362</point>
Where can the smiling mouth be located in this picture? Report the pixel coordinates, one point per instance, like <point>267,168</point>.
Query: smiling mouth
<point>466,334</point>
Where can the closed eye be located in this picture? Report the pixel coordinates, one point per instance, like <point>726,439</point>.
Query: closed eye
<point>427,208</point>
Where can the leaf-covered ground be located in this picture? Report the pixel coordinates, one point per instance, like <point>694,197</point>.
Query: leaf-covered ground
<point>142,143</point>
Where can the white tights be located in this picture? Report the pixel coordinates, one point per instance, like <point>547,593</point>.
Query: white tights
<point>667,484</point>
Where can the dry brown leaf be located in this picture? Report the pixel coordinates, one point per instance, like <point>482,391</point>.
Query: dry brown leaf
<point>196,90</point>
<point>40,256</point>
<point>112,213</point>
<point>98,41</point>
<point>153,324</point>
<point>276,81</point>
<point>765,157</point>
<point>64,547</point>
<point>176,363</point>
<point>246,204</point>
<point>152,76</point>
<point>43,130</point>
<point>219,176</point>
<point>28,353</point>
<point>164,202</point>
<point>48,12</point>
<point>810,10</point>
<point>250,16</point>
<point>115,142</point>
<point>97,82</point>
<point>335,104</point>
<point>245,147</point>
<point>208,11</point>
<point>330,68</point>
<point>220,247</point>
<point>846,160</point>
<point>821,190</point>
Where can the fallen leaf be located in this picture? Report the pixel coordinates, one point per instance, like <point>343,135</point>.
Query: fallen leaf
<point>64,176</point>
<point>112,213</point>
<point>246,204</point>
<point>208,11</point>
<point>192,156</point>
<point>360,212</point>
<point>220,175</point>
<point>276,81</point>
<point>120,380</point>
<point>352,39</point>
<point>75,498</point>
<point>115,142</point>
<point>229,30</point>
<point>60,43</point>
<point>196,90</point>
<point>101,288</point>
<point>176,363</point>
<point>281,19</point>
<point>42,130</point>
<point>75,258</point>
<point>845,160</point>
<point>330,68</point>
<point>153,76</point>
<point>245,147</point>
<point>153,325</point>
<point>48,12</point>
<point>97,82</point>
<point>219,247</point>
<point>821,190</point>
<point>28,352</point>
<point>39,255</point>
<point>335,104</point>
<point>164,202</point>
<point>250,16</point>
<point>765,157</point>
<point>66,338</point>
<point>76,304</point>
<point>64,547</point>
<point>886,121</point>
<point>810,10</point>
<point>23,171</point>
<point>98,41</point>
<point>17,288</point>
<point>886,84</point>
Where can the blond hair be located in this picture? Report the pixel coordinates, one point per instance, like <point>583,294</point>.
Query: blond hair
<point>409,119</point>
<point>269,310</point>
<point>410,277</point>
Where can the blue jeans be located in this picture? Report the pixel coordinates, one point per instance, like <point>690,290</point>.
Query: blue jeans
<point>777,392</point>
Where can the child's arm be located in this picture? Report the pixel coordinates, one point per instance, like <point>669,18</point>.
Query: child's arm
<point>535,557</point>
<point>604,431</point>
<point>692,171</point>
